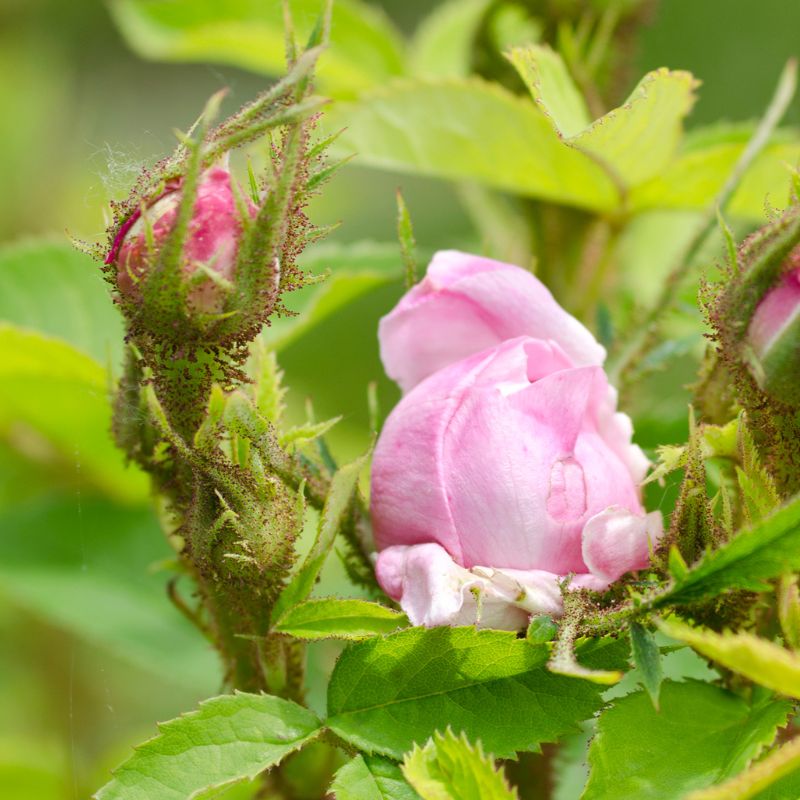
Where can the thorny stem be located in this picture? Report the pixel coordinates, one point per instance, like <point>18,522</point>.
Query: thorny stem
<point>622,368</point>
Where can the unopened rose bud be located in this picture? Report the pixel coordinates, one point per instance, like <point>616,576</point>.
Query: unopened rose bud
<point>774,338</point>
<point>501,474</point>
<point>211,244</point>
<point>467,303</point>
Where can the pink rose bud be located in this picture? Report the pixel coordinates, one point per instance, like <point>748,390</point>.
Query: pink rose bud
<point>467,303</point>
<point>774,336</point>
<point>212,240</point>
<point>503,473</point>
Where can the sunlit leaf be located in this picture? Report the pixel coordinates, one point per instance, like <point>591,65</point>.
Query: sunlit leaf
<point>768,549</point>
<point>364,49</point>
<point>552,88</point>
<point>334,618</point>
<point>758,659</point>
<point>387,693</point>
<point>636,141</point>
<point>469,129</point>
<point>706,160</point>
<point>764,779</point>
<point>371,778</point>
<point>227,739</point>
<point>702,735</point>
<point>448,767</point>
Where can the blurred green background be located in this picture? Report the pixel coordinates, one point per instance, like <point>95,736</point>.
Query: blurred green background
<point>92,651</point>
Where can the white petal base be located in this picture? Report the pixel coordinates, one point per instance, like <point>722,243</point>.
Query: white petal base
<point>433,590</point>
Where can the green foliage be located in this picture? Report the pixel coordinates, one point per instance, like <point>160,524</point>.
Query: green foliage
<point>364,50</point>
<point>338,505</point>
<point>706,159</point>
<point>762,780</point>
<point>469,129</point>
<point>228,739</point>
<point>54,405</point>
<point>385,694</point>
<point>371,778</point>
<point>332,618</point>
<point>417,125</point>
<point>633,142</point>
<point>541,629</point>
<point>448,767</point>
<point>702,735</point>
<point>768,549</point>
<point>758,659</point>
<point>647,659</point>
<point>84,565</point>
<point>552,88</point>
<point>51,288</point>
<point>355,269</point>
<point>443,43</point>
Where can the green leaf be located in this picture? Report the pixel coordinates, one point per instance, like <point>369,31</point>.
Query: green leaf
<point>386,694</point>
<point>355,270</point>
<point>647,659</point>
<point>541,629</point>
<point>364,49</point>
<point>469,129</point>
<point>54,404</point>
<point>636,141</point>
<point>444,41</point>
<point>702,735</point>
<point>448,767</point>
<point>51,288</point>
<point>334,513</point>
<point>760,778</point>
<point>228,739</point>
<point>332,618</point>
<point>753,556</point>
<point>708,157</point>
<point>552,88</point>
<point>758,659</point>
<point>371,778</point>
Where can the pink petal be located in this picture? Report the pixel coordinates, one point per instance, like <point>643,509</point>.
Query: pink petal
<point>615,541</point>
<point>467,303</point>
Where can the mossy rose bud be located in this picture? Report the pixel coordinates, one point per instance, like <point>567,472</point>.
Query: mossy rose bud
<point>774,339</point>
<point>211,243</point>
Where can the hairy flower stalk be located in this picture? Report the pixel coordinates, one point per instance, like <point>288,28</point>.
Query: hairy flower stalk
<point>199,266</point>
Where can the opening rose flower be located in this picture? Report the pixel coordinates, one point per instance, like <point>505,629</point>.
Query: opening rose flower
<point>467,303</point>
<point>211,245</point>
<point>504,472</point>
